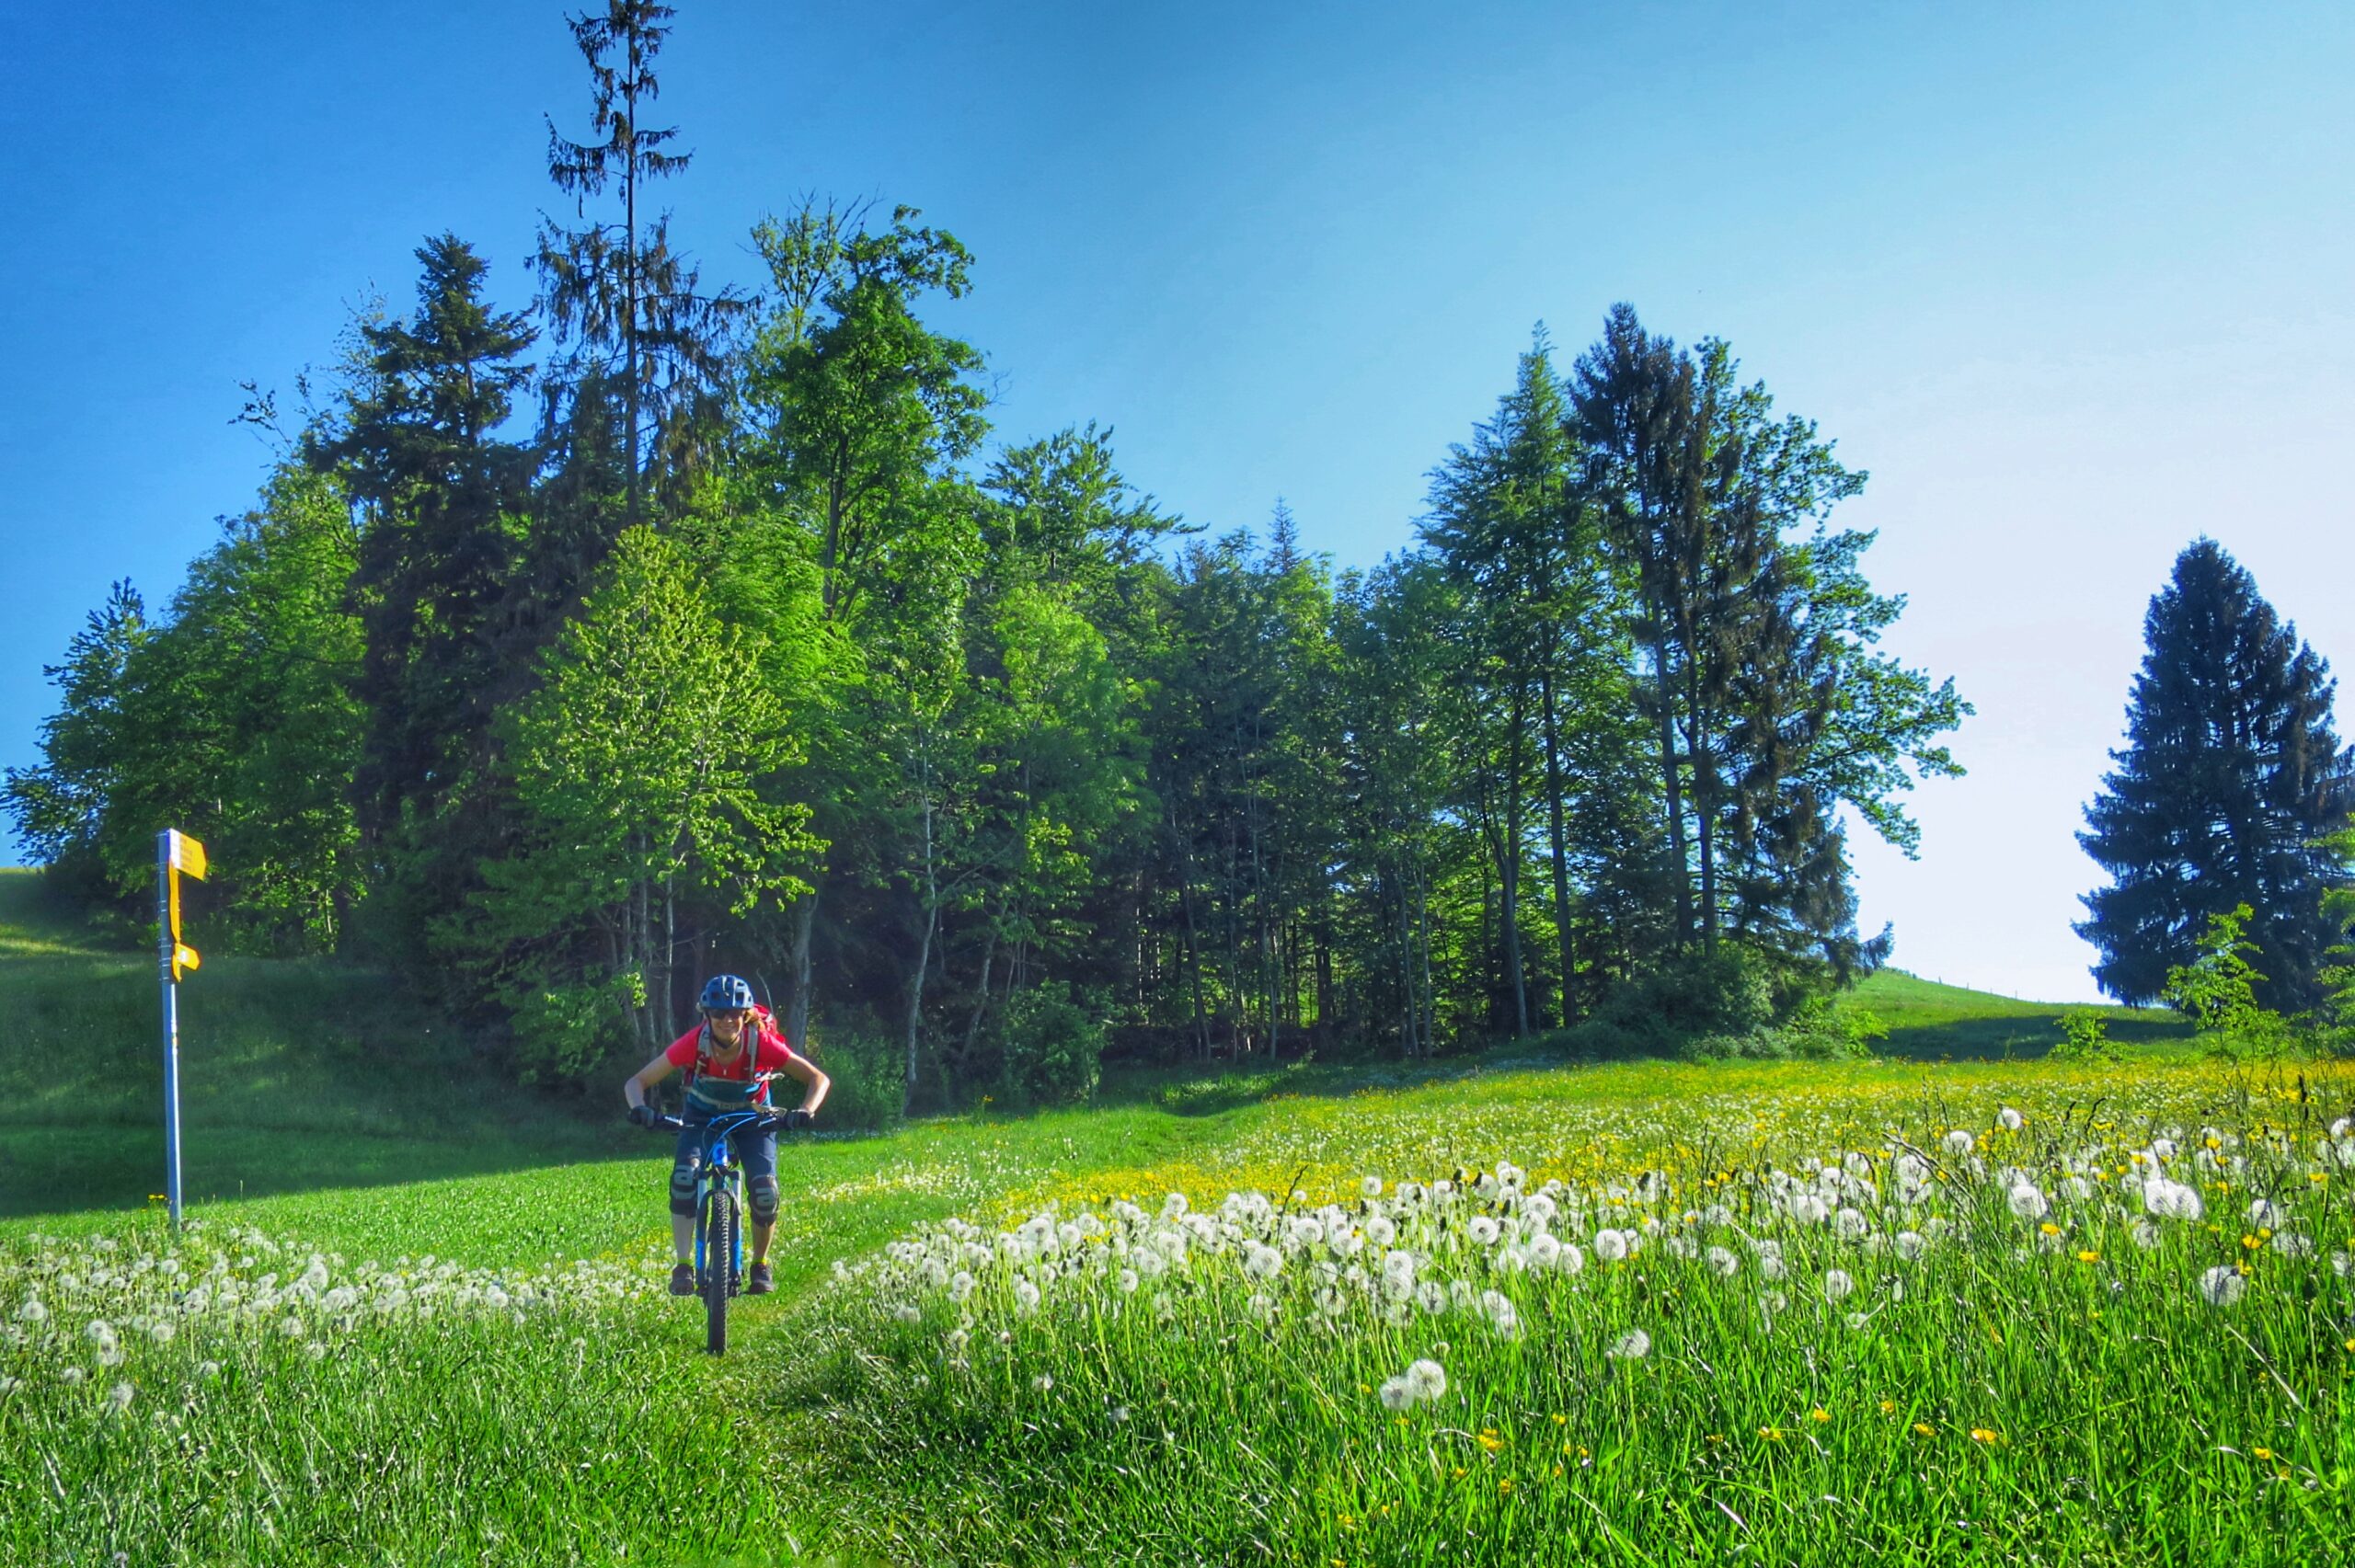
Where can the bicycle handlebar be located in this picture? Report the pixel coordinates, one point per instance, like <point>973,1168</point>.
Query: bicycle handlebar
<point>772,1121</point>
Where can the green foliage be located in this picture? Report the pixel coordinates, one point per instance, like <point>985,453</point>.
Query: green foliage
<point>2084,1036</point>
<point>1050,1047</point>
<point>758,656</point>
<point>1728,995</point>
<point>2217,990</point>
<point>637,765</point>
<point>864,1067</point>
<point>1834,1028</point>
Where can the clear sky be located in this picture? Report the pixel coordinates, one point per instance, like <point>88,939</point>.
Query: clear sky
<point>2072,281</point>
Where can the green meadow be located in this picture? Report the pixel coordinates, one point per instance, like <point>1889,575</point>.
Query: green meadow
<point>1952,1305</point>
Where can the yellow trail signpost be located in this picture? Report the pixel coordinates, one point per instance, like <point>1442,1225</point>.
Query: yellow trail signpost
<point>177,856</point>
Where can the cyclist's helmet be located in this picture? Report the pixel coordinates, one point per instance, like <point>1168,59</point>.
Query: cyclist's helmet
<point>726,993</point>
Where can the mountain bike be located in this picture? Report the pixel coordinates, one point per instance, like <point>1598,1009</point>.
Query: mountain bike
<point>719,1210</point>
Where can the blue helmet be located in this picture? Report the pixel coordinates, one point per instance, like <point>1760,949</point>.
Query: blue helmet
<point>726,993</point>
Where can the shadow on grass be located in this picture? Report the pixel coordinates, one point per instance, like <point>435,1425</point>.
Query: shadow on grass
<point>68,1169</point>
<point>2009,1039</point>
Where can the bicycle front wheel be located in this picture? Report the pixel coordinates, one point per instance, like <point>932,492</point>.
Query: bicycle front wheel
<point>719,1268</point>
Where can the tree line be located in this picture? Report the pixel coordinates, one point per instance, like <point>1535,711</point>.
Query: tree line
<point>573,651</point>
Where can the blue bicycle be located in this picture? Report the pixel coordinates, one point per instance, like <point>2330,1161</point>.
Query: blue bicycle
<point>720,1208</point>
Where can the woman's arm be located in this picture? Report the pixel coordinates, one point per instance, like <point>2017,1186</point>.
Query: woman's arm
<point>814,1083</point>
<point>634,1088</point>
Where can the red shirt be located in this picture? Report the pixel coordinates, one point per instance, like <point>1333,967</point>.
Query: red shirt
<point>718,1085</point>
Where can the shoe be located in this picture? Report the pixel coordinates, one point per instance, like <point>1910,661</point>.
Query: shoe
<point>758,1282</point>
<point>682,1279</point>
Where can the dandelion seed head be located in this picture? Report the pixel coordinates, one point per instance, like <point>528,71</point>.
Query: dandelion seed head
<point>1633,1346</point>
<point>2222,1286</point>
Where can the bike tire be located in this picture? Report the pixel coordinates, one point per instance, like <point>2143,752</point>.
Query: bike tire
<point>719,1269</point>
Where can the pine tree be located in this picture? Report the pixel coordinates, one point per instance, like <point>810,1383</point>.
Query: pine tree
<point>440,556</point>
<point>614,288</point>
<point>2229,776</point>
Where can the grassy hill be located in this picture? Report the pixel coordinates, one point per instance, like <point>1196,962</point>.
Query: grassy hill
<point>1929,1022</point>
<point>295,1074</point>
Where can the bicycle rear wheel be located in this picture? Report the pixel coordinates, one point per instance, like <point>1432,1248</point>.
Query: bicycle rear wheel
<point>719,1268</point>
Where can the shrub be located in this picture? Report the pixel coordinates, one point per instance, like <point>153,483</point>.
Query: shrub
<point>2217,990</point>
<point>1730,993</point>
<point>1050,1047</point>
<point>869,1073</point>
<point>2084,1038</point>
<point>1827,1028</point>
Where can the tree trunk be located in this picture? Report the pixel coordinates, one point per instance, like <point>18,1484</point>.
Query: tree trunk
<point>1509,872</point>
<point>1665,688</point>
<point>804,920</point>
<point>642,943</point>
<point>669,955</point>
<point>1562,926</point>
<point>923,956</point>
<point>982,991</point>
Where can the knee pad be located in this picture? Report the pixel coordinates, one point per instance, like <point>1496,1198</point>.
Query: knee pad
<point>764,1195</point>
<point>683,1188</point>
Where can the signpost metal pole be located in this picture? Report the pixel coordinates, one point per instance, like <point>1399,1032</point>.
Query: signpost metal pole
<point>168,947</point>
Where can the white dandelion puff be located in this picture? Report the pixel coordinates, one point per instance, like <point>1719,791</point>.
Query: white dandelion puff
<point>1838,1284</point>
<point>1610,1245</point>
<point>1371,1186</point>
<point>2010,1119</point>
<point>2026,1202</point>
<point>1397,1394</point>
<point>120,1395</point>
<point>1633,1346</point>
<point>1960,1143</point>
<point>1042,1382</point>
<point>1427,1379</point>
<point>2170,1199</point>
<point>2222,1286</point>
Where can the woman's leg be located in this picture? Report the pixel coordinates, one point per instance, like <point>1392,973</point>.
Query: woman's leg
<point>760,1191</point>
<point>686,1165</point>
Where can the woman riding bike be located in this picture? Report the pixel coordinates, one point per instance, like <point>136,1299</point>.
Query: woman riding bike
<point>727,1060</point>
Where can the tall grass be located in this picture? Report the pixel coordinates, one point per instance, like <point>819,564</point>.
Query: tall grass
<point>1897,1349</point>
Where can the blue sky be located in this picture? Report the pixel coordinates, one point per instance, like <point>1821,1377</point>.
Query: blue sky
<point>2072,281</point>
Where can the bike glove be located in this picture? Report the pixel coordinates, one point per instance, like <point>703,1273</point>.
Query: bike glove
<point>642,1115</point>
<point>797,1118</point>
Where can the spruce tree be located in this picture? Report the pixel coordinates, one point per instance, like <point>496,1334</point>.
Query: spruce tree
<point>640,330</point>
<point>2229,776</point>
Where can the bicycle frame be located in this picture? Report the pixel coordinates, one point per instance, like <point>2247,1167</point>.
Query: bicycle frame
<point>719,1170</point>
